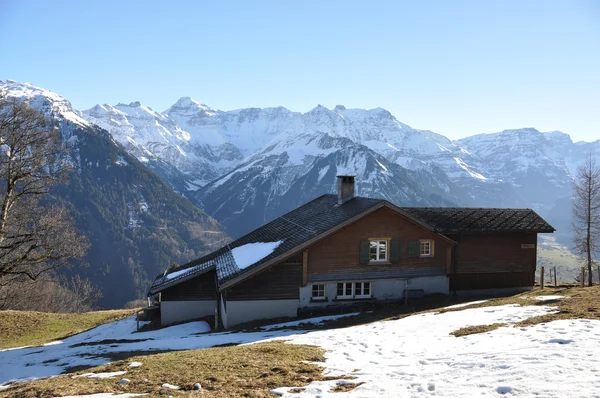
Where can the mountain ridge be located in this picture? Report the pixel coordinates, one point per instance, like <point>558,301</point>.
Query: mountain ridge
<point>200,150</point>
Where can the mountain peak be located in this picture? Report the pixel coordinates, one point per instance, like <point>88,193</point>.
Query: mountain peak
<point>525,130</point>
<point>51,104</point>
<point>188,105</point>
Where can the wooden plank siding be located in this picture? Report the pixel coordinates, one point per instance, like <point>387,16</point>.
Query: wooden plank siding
<point>493,261</point>
<point>201,287</point>
<point>279,282</point>
<point>498,252</point>
<point>339,253</point>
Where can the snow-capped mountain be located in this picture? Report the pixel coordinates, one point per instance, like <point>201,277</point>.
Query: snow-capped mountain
<point>136,224</point>
<point>151,136</point>
<point>252,160</point>
<point>248,166</point>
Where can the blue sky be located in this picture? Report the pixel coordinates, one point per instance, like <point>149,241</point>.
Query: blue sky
<point>455,67</point>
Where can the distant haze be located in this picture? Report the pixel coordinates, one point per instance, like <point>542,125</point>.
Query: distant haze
<point>457,68</point>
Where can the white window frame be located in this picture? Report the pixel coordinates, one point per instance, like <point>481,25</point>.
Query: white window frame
<point>380,242</point>
<point>344,289</point>
<point>312,292</point>
<point>431,248</point>
<point>354,290</point>
<point>361,290</point>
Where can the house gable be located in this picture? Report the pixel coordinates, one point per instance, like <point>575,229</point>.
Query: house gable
<point>339,253</point>
<point>294,250</point>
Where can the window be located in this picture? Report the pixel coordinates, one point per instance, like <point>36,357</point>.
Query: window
<point>353,290</point>
<point>425,248</point>
<point>344,290</point>
<point>378,250</point>
<point>318,292</point>
<point>362,289</point>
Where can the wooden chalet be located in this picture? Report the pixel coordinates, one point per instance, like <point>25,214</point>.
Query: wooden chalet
<point>343,249</point>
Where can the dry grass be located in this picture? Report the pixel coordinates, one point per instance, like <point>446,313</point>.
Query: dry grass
<point>578,303</point>
<point>21,328</point>
<point>476,329</point>
<point>242,371</point>
<point>345,387</point>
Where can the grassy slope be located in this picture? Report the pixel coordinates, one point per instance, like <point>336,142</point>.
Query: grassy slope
<point>253,370</point>
<point>240,371</point>
<point>578,303</point>
<point>22,328</point>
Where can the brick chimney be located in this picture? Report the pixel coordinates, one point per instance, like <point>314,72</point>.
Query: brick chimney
<point>345,188</point>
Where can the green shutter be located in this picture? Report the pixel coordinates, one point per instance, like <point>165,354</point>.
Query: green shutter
<point>394,251</point>
<point>414,249</point>
<point>363,257</point>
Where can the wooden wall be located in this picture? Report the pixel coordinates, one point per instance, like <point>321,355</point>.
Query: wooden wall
<point>281,281</point>
<point>492,261</point>
<point>496,280</point>
<point>201,287</point>
<point>339,253</point>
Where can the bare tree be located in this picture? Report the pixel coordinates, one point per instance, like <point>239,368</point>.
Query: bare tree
<point>586,211</point>
<point>50,293</point>
<point>36,236</point>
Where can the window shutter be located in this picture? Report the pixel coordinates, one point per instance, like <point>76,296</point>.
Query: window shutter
<point>394,251</point>
<point>363,257</point>
<point>414,249</point>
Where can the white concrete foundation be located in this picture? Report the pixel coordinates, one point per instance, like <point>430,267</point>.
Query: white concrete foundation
<point>382,289</point>
<point>252,310</point>
<point>181,311</point>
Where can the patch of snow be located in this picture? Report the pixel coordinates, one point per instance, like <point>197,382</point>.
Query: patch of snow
<point>170,386</point>
<point>251,253</point>
<point>175,274</point>
<point>547,298</point>
<point>105,375</point>
<point>322,172</point>
<point>121,161</point>
<point>134,365</point>
<point>313,321</point>
<point>53,343</point>
<point>465,304</point>
<point>15,348</point>
<point>382,166</point>
<point>467,168</point>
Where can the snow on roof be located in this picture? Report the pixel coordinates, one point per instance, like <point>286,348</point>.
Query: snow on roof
<point>181,272</point>
<point>251,253</point>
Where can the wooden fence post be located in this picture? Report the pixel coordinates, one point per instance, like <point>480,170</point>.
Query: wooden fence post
<point>542,278</point>
<point>582,276</point>
<point>599,274</point>
<point>555,280</point>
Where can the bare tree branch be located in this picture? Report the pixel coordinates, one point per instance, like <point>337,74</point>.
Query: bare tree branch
<point>36,236</point>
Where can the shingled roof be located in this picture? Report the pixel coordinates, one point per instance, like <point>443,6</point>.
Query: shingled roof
<point>293,229</point>
<point>452,220</point>
<point>308,222</point>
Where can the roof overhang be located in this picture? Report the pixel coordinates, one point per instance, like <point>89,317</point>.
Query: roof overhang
<point>176,281</point>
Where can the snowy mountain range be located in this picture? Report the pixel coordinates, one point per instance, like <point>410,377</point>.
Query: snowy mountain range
<point>136,224</point>
<point>245,167</point>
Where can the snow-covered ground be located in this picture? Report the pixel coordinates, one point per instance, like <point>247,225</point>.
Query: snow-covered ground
<point>417,356</point>
<point>412,356</point>
<point>92,347</point>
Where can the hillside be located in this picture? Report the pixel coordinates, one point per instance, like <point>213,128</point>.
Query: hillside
<point>248,166</point>
<point>489,347</point>
<point>136,224</point>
